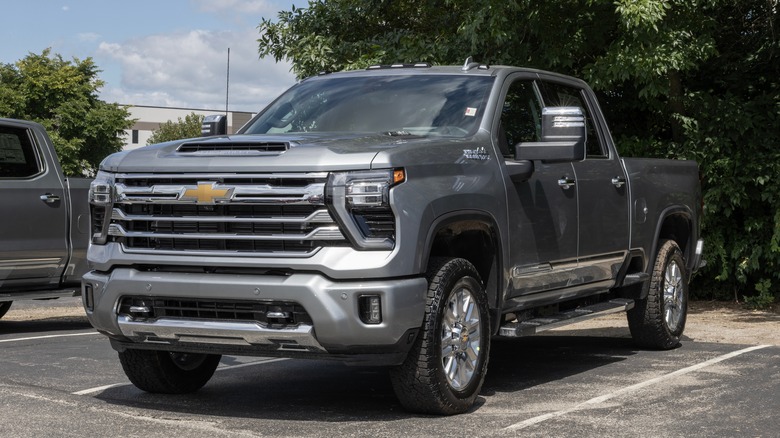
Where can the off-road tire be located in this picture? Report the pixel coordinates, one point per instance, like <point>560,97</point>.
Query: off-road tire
<point>421,383</point>
<point>4,306</point>
<point>658,321</point>
<point>165,372</point>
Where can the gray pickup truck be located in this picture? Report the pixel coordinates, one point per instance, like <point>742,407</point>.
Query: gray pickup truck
<point>44,224</point>
<point>399,216</point>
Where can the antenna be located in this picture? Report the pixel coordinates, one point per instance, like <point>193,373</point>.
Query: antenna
<point>227,84</point>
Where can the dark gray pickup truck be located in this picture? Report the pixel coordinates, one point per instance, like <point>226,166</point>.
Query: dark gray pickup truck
<point>400,216</point>
<point>44,224</point>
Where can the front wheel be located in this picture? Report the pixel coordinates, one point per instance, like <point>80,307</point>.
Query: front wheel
<point>658,320</point>
<point>167,372</point>
<point>4,306</point>
<point>445,368</point>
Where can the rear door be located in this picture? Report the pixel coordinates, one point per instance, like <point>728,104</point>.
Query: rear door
<point>602,190</point>
<point>33,222</point>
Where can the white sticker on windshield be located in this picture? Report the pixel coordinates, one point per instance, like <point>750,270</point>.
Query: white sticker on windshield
<point>471,112</point>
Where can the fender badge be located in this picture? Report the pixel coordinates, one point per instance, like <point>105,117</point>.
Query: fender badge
<point>479,153</point>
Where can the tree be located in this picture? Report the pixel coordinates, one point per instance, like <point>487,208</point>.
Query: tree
<point>696,79</point>
<point>62,96</point>
<point>188,128</point>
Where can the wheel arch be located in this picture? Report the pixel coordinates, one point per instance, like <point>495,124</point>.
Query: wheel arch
<point>676,223</point>
<point>471,235</point>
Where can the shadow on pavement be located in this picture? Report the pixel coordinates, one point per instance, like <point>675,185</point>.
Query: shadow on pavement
<point>316,391</point>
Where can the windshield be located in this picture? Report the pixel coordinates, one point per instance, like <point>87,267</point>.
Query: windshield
<point>442,105</point>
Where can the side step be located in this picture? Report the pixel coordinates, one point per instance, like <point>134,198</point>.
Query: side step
<point>536,325</point>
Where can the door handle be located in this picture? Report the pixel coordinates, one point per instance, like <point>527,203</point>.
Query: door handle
<point>618,181</point>
<point>49,198</point>
<point>566,182</point>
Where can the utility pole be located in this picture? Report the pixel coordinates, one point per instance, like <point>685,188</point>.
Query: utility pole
<point>227,84</point>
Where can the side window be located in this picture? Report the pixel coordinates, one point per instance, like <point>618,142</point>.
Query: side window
<point>520,117</point>
<point>563,95</point>
<point>18,158</point>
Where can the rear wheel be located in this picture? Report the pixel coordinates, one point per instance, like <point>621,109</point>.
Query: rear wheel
<point>167,372</point>
<point>4,306</point>
<point>444,371</point>
<point>658,320</point>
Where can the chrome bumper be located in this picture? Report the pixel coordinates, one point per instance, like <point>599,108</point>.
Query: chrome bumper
<point>168,331</point>
<point>698,262</point>
<point>335,325</point>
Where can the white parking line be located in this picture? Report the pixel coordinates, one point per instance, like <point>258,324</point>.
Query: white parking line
<point>628,389</point>
<point>98,389</point>
<point>33,338</point>
<point>228,367</point>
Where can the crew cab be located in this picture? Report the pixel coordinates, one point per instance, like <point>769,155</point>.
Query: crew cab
<point>397,216</point>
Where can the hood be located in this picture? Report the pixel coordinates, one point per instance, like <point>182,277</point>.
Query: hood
<point>311,152</point>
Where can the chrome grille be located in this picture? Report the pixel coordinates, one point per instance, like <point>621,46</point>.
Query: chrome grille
<point>225,214</point>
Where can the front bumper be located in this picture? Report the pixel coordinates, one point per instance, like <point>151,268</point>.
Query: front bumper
<point>336,330</point>
<point>698,262</point>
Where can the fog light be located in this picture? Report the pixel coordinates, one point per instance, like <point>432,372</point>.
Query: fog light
<point>370,309</point>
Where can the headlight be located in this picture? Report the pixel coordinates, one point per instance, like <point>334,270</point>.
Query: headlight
<point>101,190</point>
<point>371,189</point>
<point>101,199</point>
<point>360,202</point>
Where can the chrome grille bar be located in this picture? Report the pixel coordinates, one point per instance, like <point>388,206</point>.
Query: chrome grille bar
<point>319,216</point>
<point>323,233</point>
<point>260,194</point>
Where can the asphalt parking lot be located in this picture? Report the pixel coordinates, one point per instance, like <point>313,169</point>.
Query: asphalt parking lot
<point>60,378</point>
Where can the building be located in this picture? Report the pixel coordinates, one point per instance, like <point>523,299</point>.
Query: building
<point>149,118</point>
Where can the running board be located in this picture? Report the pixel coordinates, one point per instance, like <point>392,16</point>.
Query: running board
<point>536,325</point>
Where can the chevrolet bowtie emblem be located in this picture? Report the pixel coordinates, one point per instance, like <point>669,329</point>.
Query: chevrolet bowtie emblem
<point>206,194</point>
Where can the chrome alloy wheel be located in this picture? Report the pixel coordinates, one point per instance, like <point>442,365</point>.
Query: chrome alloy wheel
<point>674,296</point>
<point>460,338</point>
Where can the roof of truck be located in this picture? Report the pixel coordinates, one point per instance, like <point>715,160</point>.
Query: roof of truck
<point>469,69</point>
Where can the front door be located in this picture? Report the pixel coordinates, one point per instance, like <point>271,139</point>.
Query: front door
<point>542,211</point>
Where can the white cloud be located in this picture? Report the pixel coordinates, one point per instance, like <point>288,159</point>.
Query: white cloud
<point>237,6</point>
<point>88,36</point>
<point>243,12</point>
<point>157,98</point>
<point>189,70</point>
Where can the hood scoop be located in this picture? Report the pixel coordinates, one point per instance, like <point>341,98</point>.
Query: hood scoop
<point>233,148</point>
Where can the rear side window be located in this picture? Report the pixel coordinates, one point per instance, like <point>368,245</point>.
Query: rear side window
<point>18,157</point>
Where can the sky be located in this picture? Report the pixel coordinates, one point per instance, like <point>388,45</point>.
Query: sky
<point>171,53</point>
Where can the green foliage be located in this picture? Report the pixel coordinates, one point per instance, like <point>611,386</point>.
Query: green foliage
<point>696,79</point>
<point>169,131</point>
<point>62,96</point>
<point>764,299</point>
